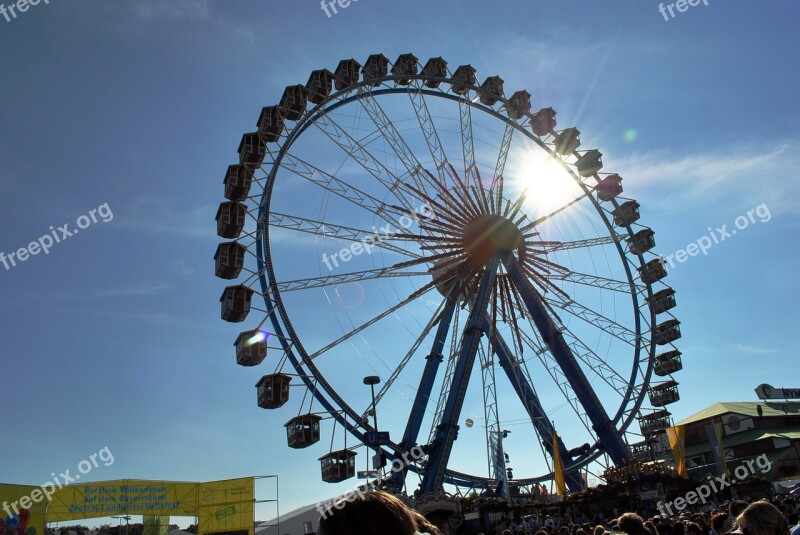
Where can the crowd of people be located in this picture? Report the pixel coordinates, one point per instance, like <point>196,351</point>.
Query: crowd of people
<point>384,514</point>
<point>778,516</point>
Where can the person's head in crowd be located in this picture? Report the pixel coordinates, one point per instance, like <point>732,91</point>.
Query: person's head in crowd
<point>678,528</point>
<point>693,528</point>
<point>762,518</point>
<point>721,523</point>
<point>632,524</point>
<point>599,530</point>
<point>650,527</point>
<point>377,513</point>
<point>736,507</point>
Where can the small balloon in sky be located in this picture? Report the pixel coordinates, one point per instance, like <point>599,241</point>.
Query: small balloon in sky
<point>469,422</point>
<point>630,135</point>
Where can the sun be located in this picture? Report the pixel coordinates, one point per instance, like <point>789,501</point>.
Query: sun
<point>548,185</point>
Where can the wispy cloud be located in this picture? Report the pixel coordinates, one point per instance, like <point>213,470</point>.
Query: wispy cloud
<point>190,10</point>
<point>746,172</point>
<point>129,291</point>
<point>755,350</point>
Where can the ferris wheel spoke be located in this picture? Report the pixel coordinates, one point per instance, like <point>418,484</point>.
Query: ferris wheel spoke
<point>472,176</point>
<point>595,318</point>
<point>496,188</point>
<point>539,221</point>
<point>557,375</point>
<point>330,183</point>
<point>429,132</point>
<point>344,278</point>
<point>595,363</point>
<point>515,371</point>
<point>370,163</point>
<point>422,291</point>
<point>392,137</point>
<point>387,385</point>
<point>555,272</point>
<point>610,438</point>
<point>581,244</point>
<point>371,239</point>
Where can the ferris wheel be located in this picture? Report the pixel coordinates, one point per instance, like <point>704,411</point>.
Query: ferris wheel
<point>405,227</point>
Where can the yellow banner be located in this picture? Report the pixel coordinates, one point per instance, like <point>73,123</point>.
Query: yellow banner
<point>22,505</point>
<point>125,496</point>
<point>227,506</point>
<point>558,468</point>
<point>677,442</point>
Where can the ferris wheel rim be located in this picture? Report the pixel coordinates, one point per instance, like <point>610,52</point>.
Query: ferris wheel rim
<point>266,269</point>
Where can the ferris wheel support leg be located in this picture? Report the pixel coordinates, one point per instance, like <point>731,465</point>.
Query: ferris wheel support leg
<point>608,435</point>
<point>425,387</point>
<point>447,431</point>
<point>529,399</point>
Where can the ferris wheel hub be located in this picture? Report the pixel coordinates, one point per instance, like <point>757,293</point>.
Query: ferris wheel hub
<point>487,234</point>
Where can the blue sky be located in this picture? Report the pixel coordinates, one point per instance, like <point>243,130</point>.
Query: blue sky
<point>114,338</point>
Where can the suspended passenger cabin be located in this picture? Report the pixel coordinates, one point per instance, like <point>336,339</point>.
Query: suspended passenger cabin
<point>664,394</point>
<point>653,271</point>
<point>491,90</point>
<point>519,105</point>
<point>642,241</point>
<point>667,332</point>
<point>567,141</point>
<point>252,150</point>
<point>406,64</point>
<point>346,74</point>
<point>303,431</point>
<point>319,85</point>
<point>464,79</point>
<point>590,163</point>
<point>667,363</point>
<point>251,348</point>
<point>237,182</point>
<point>236,303</point>
<point>273,390</point>
<point>230,219</point>
<point>294,101</point>
<point>662,300</point>
<point>544,122</point>
<point>626,213</point>
<point>376,67</point>
<point>270,124</point>
<point>609,187</point>
<point>229,259</point>
<point>338,466</point>
<point>655,422</point>
<point>435,68</point>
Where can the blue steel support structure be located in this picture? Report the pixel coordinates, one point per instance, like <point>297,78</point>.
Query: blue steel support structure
<point>530,401</point>
<point>447,430</point>
<point>426,385</point>
<point>609,437</point>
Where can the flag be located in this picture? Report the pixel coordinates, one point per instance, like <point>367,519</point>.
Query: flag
<point>677,442</point>
<point>558,468</point>
<point>714,432</point>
